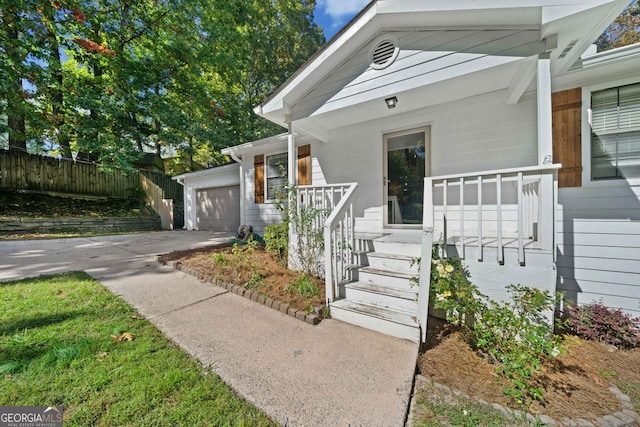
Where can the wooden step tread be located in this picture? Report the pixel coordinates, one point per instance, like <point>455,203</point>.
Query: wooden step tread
<point>391,315</point>
<point>390,256</point>
<point>384,290</point>
<point>398,274</point>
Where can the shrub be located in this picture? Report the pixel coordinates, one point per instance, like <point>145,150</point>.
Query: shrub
<point>452,291</point>
<point>514,334</point>
<point>595,321</point>
<point>276,239</point>
<point>518,336</point>
<point>305,286</point>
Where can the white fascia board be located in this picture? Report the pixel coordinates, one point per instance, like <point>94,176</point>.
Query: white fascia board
<point>277,142</point>
<point>314,72</point>
<point>612,67</point>
<point>614,55</point>
<point>553,12</point>
<point>220,170</point>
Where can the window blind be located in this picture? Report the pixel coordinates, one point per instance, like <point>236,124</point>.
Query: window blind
<point>615,132</point>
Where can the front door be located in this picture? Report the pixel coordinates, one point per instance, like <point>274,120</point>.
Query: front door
<point>406,165</point>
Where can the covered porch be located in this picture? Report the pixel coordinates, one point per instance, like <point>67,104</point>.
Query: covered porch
<point>476,81</point>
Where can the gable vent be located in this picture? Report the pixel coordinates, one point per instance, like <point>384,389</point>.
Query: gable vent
<point>567,49</point>
<point>383,54</point>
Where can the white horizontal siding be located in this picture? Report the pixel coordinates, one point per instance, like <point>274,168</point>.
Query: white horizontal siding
<point>477,134</point>
<point>257,215</point>
<point>599,244</point>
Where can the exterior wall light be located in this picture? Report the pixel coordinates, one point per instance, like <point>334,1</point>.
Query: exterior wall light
<point>391,102</point>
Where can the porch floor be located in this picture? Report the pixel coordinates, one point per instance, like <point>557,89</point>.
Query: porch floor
<point>414,236</point>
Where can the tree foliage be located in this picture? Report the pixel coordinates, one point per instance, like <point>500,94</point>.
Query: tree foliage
<point>109,79</point>
<point>625,30</point>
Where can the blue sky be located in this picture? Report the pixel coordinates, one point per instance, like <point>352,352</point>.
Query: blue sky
<point>332,15</point>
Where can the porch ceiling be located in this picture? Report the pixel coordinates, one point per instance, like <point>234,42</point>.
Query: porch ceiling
<point>415,92</point>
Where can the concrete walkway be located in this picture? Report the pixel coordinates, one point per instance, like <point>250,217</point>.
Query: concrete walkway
<point>301,375</point>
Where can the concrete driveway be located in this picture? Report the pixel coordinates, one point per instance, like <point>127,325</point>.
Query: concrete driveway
<point>301,375</point>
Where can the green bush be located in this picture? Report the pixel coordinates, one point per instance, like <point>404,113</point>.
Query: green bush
<point>452,291</point>
<point>515,334</point>
<point>305,286</point>
<point>276,239</point>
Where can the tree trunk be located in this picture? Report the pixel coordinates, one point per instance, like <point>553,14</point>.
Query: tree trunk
<point>56,91</point>
<point>15,101</point>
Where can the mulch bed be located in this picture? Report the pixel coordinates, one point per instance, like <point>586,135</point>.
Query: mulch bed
<point>238,270</point>
<point>576,383</point>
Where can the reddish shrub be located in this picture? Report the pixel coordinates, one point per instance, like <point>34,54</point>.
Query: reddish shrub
<point>595,321</point>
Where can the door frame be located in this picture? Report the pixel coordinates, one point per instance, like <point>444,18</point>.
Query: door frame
<point>426,130</point>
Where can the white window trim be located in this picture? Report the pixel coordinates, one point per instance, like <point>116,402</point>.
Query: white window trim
<point>587,182</point>
<point>266,178</point>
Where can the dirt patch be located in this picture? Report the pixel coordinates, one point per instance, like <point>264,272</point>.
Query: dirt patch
<point>240,267</point>
<point>576,383</point>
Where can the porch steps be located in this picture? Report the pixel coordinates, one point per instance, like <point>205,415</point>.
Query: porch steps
<point>396,279</point>
<point>383,298</point>
<point>397,323</point>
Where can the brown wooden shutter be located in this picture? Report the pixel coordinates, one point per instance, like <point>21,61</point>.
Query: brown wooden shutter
<point>258,166</point>
<point>567,136</point>
<point>304,165</point>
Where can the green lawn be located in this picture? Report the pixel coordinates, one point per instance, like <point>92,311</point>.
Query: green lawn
<point>57,347</point>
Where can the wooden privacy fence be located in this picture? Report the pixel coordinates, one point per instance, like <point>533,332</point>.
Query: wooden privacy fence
<point>26,171</point>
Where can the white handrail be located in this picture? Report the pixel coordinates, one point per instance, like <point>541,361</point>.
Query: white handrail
<point>525,170</point>
<point>338,255</point>
<point>530,184</point>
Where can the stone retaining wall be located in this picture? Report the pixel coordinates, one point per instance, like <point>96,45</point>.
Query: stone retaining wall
<point>99,224</point>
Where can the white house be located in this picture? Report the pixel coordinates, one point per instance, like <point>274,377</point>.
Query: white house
<point>415,100</point>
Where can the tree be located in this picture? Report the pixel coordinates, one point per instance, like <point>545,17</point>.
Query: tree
<point>625,30</point>
<point>111,79</point>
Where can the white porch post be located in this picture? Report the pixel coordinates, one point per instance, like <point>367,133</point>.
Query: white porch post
<point>545,129</point>
<point>546,220</point>
<point>291,144</point>
<point>291,180</point>
<point>242,186</point>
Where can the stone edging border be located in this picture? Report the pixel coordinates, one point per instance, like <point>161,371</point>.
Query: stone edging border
<point>269,302</point>
<point>628,417</point>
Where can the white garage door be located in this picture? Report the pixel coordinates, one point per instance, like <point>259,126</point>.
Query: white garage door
<point>218,209</point>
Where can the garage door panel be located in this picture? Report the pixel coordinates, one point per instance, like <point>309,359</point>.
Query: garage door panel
<point>218,209</point>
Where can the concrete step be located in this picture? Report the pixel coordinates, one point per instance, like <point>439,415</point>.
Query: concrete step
<point>394,279</point>
<point>392,262</point>
<point>396,323</point>
<point>382,296</point>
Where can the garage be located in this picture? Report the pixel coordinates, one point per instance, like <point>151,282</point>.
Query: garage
<point>218,209</point>
<point>212,199</point>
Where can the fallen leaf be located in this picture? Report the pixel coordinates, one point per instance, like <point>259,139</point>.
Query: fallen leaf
<point>102,354</point>
<point>125,336</point>
<point>136,317</point>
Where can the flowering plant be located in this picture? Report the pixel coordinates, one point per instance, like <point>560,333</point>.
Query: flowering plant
<point>451,289</point>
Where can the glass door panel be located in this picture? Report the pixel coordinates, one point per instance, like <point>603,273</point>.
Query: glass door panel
<point>405,172</point>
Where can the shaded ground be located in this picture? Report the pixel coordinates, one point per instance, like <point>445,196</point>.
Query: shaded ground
<point>240,267</point>
<point>576,383</point>
<point>40,205</point>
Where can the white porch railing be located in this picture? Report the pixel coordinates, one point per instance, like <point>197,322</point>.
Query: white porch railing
<point>339,239</point>
<point>518,203</point>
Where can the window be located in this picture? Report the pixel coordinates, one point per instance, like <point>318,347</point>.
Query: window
<point>615,132</point>
<point>276,174</point>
